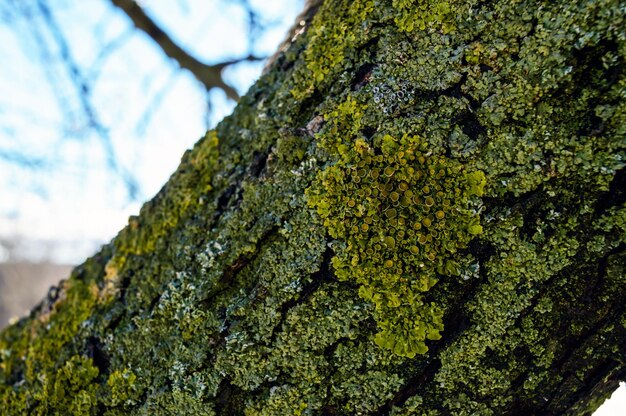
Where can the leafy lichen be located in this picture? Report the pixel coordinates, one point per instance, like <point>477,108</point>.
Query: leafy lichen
<point>166,210</point>
<point>410,15</point>
<point>330,37</point>
<point>46,377</point>
<point>401,212</point>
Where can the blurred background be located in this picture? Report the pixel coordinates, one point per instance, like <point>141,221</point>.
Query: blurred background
<point>98,101</point>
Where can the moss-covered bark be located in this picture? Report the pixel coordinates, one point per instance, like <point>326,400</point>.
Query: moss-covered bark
<point>418,210</point>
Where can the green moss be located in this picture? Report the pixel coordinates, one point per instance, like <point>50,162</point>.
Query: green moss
<point>362,391</point>
<point>291,147</point>
<point>162,214</point>
<point>413,406</point>
<point>69,391</point>
<point>331,36</point>
<point>281,401</point>
<point>12,401</point>
<point>38,358</point>
<point>50,334</point>
<point>121,384</point>
<point>176,402</point>
<point>402,213</point>
<point>412,15</point>
<point>462,405</point>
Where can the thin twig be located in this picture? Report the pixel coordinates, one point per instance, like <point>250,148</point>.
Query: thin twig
<point>209,75</point>
<point>83,91</point>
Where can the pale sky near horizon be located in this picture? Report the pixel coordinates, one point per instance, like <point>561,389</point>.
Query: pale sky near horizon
<point>78,204</point>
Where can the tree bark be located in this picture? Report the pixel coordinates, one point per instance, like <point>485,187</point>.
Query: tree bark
<point>418,209</point>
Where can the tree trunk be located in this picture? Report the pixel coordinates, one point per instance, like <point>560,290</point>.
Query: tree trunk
<point>418,210</point>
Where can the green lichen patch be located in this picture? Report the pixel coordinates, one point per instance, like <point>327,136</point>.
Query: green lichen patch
<point>331,38</point>
<point>69,391</point>
<point>166,209</point>
<point>37,368</point>
<point>539,286</point>
<point>401,213</point>
<point>410,15</point>
<point>121,384</point>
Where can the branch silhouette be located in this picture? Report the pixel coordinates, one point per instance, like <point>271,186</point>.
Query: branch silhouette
<point>209,75</point>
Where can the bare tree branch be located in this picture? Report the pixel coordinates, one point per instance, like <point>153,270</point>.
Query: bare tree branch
<point>209,75</point>
<point>23,159</point>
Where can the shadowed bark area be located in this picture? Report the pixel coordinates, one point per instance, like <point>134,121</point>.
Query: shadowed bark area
<point>419,209</point>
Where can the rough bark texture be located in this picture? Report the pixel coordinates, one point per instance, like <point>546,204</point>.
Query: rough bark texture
<point>418,210</point>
